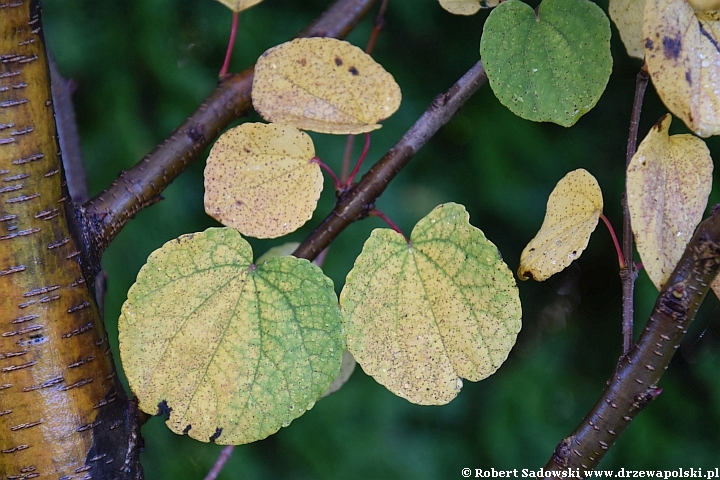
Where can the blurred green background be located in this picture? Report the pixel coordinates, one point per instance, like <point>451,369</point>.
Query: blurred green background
<point>141,67</point>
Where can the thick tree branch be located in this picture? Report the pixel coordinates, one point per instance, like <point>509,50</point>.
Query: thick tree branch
<point>629,274</point>
<point>106,214</point>
<point>356,202</point>
<point>634,383</point>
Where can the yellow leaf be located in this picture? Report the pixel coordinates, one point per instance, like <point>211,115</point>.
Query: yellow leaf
<point>420,316</point>
<point>239,5</point>
<point>467,7</point>
<point>260,180</point>
<point>668,184</point>
<point>573,210</point>
<point>681,51</point>
<point>325,85</point>
<point>628,17</point>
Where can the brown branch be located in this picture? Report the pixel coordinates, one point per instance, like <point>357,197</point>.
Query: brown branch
<point>634,383</point>
<point>358,201</point>
<point>629,274</point>
<point>105,215</point>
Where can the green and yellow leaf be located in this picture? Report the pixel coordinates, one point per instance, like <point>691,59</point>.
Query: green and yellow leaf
<point>668,184</point>
<point>628,17</point>
<point>232,350</point>
<point>260,179</point>
<point>421,316</point>
<point>325,85</point>
<point>572,214</point>
<point>549,67</point>
<point>681,51</point>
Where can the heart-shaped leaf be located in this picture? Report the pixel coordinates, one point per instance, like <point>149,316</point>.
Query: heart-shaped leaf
<point>572,214</point>
<point>419,316</point>
<point>668,184</point>
<point>232,350</point>
<point>325,85</point>
<point>260,180</point>
<point>552,66</point>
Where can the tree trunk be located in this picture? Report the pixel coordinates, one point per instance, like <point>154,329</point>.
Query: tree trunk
<point>63,413</point>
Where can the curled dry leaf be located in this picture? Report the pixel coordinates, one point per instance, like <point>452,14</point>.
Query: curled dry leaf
<point>628,17</point>
<point>668,183</point>
<point>232,350</point>
<point>260,179</point>
<point>421,316</point>
<point>239,5</point>
<point>573,210</point>
<point>681,51</point>
<point>467,7</point>
<point>325,85</point>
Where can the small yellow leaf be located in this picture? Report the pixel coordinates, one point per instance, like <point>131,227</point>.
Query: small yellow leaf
<point>573,210</point>
<point>325,85</point>
<point>260,180</point>
<point>681,51</point>
<point>628,17</point>
<point>467,7</point>
<point>239,5</point>
<point>668,183</point>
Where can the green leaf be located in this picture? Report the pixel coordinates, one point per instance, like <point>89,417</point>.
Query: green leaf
<point>420,315</point>
<point>552,66</point>
<point>230,347</point>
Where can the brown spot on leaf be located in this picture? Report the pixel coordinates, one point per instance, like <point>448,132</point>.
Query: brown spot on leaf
<point>672,47</point>
<point>302,62</point>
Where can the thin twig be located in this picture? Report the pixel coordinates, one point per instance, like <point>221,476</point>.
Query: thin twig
<point>357,202</point>
<point>366,149</point>
<point>377,213</point>
<point>621,258</point>
<point>629,274</point>
<point>336,180</point>
<point>634,383</point>
<point>347,155</point>
<point>220,462</point>
<point>377,27</point>
<point>231,45</point>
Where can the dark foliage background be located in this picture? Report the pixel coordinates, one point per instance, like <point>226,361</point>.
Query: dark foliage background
<point>141,67</point>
